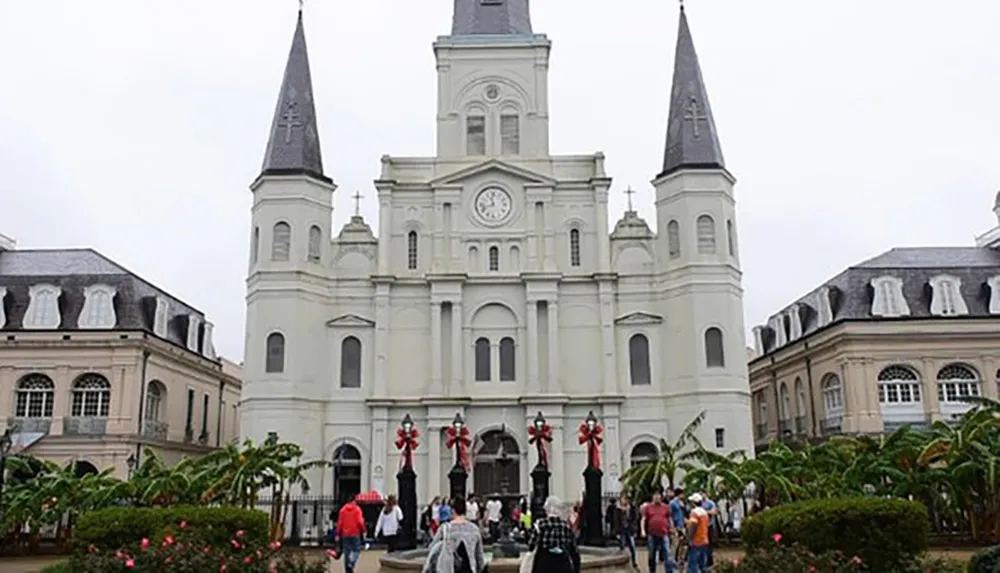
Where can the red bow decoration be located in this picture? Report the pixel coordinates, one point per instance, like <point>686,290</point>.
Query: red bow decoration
<point>593,440</point>
<point>540,437</point>
<point>407,442</point>
<point>460,441</point>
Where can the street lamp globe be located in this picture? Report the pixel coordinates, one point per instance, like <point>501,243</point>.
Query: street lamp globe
<point>458,422</point>
<point>130,462</point>
<point>407,423</point>
<point>539,421</point>
<point>591,421</point>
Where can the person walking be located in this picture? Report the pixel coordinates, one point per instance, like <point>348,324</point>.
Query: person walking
<point>350,532</point>
<point>388,523</point>
<point>697,524</point>
<point>713,528</point>
<point>678,516</point>
<point>458,544</point>
<point>553,541</point>
<point>655,527</point>
<point>494,512</point>
<point>623,524</point>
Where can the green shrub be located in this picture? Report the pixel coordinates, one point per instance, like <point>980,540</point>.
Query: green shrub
<point>985,560</point>
<point>781,558</point>
<point>61,567</point>
<point>887,534</point>
<point>116,527</point>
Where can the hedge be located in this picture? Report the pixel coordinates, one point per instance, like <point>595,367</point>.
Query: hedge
<point>116,527</point>
<point>986,560</point>
<point>885,533</point>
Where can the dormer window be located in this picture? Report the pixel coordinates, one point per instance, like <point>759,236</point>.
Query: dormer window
<point>192,332</point>
<point>207,346</point>
<point>777,324</point>
<point>824,305</point>
<point>794,323</point>
<point>758,340</point>
<point>98,307</point>
<point>43,310</point>
<point>3,314</point>
<point>888,301</point>
<point>161,317</point>
<point>994,283</point>
<point>947,299</point>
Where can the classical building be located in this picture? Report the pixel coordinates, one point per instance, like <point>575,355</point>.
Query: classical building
<point>897,339</point>
<point>96,364</point>
<point>493,288</point>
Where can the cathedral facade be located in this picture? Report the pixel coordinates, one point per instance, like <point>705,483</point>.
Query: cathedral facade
<point>493,289</point>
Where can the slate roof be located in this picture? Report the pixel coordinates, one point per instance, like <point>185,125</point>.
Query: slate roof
<point>75,269</point>
<point>491,17</point>
<point>692,139</point>
<point>851,293</point>
<point>293,145</point>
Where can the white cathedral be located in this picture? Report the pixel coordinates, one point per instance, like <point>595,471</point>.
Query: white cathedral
<point>493,289</point>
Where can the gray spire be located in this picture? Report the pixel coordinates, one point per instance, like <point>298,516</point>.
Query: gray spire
<point>293,145</point>
<point>692,140</point>
<point>493,17</point>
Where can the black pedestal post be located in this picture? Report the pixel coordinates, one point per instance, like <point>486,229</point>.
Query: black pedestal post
<point>539,490</point>
<point>406,485</point>
<point>457,478</point>
<point>593,525</point>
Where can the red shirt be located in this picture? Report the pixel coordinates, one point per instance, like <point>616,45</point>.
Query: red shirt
<point>350,521</point>
<point>657,516</point>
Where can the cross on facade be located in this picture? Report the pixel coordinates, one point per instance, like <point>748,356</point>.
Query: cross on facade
<point>628,193</point>
<point>289,119</point>
<point>357,203</point>
<point>692,115</point>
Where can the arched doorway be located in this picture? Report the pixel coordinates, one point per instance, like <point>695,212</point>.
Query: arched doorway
<point>83,468</point>
<point>346,472</point>
<point>498,465</point>
<point>643,452</point>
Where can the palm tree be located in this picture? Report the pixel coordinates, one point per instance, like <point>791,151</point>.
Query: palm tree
<point>643,478</point>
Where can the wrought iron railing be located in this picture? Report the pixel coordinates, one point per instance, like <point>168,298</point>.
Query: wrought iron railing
<point>832,425</point>
<point>85,426</point>
<point>155,429</point>
<point>29,425</point>
<point>761,431</point>
<point>801,425</point>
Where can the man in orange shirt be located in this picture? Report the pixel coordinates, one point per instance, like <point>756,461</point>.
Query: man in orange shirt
<point>350,531</point>
<point>697,525</point>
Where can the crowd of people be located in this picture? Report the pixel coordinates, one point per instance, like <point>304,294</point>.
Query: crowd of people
<point>678,532</point>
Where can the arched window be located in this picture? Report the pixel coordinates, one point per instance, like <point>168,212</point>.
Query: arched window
<point>833,396</point>
<point>155,392</point>
<point>494,259</point>
<point>274,361</point>
<point>574,247</point>
<point>482,360</point>
<point>507,362</point>
<point>281,241</point>
<point>474,262</point>
<point>706,235</point>
<point>35,394</point>
<point>350,363</point>
<point>957,381</point>
<point>475,134</point>
<point>315,244</point>
<point>515,259</point>
<point>801,409</point>
<point>785,406</point>
<point>898,385</point>
<point>643,452</point>
<point>638,360</point>
<point>715,353</point>
<point>674,239</point>
<point>510,136</point>
<point>731,238</point>
<point>255,245</point>
<point>411,250</point>
<point>91,396</point>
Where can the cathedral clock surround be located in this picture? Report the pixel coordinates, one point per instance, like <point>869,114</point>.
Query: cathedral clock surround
<point>492,287</point>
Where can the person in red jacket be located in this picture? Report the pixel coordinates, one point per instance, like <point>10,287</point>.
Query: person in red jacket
<point>350,531</point>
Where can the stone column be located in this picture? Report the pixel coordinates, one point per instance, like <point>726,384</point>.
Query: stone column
<point>381,340</point>
<point>457,386</point>
<point>437,386</point>
<point>379,448</point>
<point>432,486</point>
<point>531,243</point>
<point>384,231</point>
<point>531,351</point>
<point>558,459</point>
<point>603,238</point>
<point>437,240</point>
<point>928,377</point>
<point>608,339</point>
<point>611,458</point>
<point>555,385</point>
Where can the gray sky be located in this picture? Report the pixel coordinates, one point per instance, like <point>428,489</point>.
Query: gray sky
<point>134,127</point>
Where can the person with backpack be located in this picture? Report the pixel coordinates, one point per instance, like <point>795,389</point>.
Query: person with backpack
<point>457,545</point>
<point>553,541</point>
<point>351,531</point>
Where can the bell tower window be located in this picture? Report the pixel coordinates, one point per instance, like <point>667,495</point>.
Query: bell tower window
<point>475,134</point>
<point>510,134</point>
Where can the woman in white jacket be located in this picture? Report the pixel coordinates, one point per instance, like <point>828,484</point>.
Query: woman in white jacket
<point>388,523</point>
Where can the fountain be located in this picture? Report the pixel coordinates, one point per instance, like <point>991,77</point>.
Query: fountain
<point>592,560</point>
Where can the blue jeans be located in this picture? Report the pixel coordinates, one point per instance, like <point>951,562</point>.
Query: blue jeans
<point>351,547</point>
<point>658,545</point>
<point>627,541</point>
<point>697,559</point>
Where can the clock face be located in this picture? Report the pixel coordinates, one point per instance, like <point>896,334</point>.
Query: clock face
<point>493,204</point>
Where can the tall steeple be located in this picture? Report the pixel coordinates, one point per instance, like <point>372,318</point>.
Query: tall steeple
<point>293,145</point>
<point>491,17</point>
<point>692,140</point>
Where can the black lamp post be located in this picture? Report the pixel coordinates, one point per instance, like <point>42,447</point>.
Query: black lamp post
<point>406,485</point>
<point>540,474</point>
<point>592,522</point>
<point>5,444</point>
<point>458,475</point>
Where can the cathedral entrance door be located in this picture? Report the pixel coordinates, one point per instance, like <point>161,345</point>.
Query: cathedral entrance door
<point>498,466</point>
<point>346,473</point>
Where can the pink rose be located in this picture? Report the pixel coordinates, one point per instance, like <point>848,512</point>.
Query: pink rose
<point>145,543</point>
<point>130,563</point>
<point>776,537</point>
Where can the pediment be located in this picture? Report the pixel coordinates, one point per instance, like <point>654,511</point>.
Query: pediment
<point>351,320</point>
<point>495,165</point>
<point>639,317</point>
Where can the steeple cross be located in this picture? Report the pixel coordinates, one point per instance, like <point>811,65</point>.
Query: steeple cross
<point>289,119</point>
<point>628,193</point>
<point>692,115</point>
<point>357,203</point>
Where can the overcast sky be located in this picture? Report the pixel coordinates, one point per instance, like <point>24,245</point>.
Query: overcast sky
<point>135,127</point>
